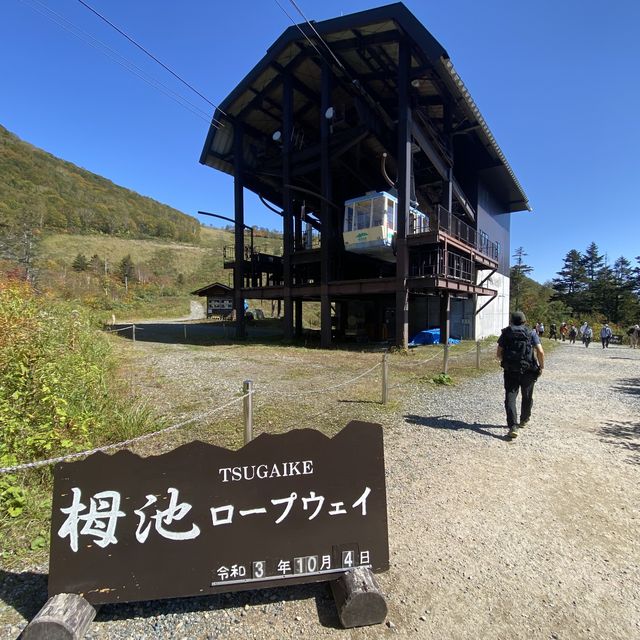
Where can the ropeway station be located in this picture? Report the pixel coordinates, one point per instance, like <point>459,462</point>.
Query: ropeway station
<point>394,195</point>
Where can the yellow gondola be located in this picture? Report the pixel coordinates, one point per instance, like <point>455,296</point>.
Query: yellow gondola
<point>370,224</point>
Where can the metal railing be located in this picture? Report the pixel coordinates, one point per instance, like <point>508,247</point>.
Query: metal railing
<point>229,252</point>
<point>443,220</point>
<point>446,264</point>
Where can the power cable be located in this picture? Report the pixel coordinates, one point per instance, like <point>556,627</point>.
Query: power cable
<point>299,10</point>
<point>118,58</point>
<point>295,24</point>
<point>148,53</point>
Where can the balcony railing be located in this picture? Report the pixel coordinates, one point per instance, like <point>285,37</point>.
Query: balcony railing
<point>229,252</point>
<point>444,264</point>
<point>443,220</point>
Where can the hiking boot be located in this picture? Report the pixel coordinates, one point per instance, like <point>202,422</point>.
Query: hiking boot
<point>513,433</point>
<point>523,423</point>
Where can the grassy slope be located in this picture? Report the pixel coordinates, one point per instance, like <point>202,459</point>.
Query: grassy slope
<point>48,192</point>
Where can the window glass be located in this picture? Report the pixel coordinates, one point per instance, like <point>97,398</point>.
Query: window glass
<point>393,211</point>
<point>348,218</point>
<point>377,217</point>
<point>363,214</point>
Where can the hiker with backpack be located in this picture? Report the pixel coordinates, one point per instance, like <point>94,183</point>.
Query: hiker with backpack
<point>587,335</point>
<point>522,358</point>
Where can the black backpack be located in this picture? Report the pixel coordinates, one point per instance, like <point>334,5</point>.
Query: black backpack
<point>517,351</point>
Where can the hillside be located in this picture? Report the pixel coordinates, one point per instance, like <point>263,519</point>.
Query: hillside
<point>55,194</point>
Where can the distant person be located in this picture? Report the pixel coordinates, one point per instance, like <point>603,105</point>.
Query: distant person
<point>564,330</point>
<point>573,334</point>
<point>522,358</point>
<point>583,326</point>
<point>587,335</point>
<point>553,331</point>
<point>634,336</point>
<point>541,329</point>
<point>605,335</point>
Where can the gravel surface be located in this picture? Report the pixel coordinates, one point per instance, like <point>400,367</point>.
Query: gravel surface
<point>535,538</point>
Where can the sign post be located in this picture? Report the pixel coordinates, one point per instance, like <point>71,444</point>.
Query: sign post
<point>285,509</point>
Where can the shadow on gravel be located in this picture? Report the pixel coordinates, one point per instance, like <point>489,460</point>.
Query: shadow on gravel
<point>625,435</point>
<point>26,592</point>
<point>321,593</point>
<point>444,422</point>
<point>629,386</point>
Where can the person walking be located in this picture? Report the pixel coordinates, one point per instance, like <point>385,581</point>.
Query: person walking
<point>563,331</point>
<point>583,326</point>
<point>634,336</point>
<point>587,335</point>
<point>573,333</point>
<point>553,331</point>
<point>605,335</point>
<point>522,359</point>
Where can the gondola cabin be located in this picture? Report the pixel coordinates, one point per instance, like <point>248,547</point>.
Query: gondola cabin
<point>370,224</point>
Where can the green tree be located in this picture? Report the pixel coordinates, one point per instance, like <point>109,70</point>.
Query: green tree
<point>80,263</point>
<point>126,269</point>
<point>571,281</point>
<point>592,261</point>
<point>517,273</point>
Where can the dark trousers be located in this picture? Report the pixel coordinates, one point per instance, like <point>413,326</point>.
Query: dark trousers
<point>513,384</point>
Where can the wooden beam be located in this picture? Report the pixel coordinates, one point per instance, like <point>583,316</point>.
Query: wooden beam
<point>65,616</point>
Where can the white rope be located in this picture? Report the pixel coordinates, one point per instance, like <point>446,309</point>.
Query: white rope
<point>117,445</point>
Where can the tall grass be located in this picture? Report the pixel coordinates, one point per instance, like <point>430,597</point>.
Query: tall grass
<point>57,395</point>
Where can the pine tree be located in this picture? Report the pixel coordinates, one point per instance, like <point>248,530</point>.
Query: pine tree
<point>80,263</point>
<point>126,269</point>
<point>592,262</point>
<point>571,280</point>
<point>517,274</point>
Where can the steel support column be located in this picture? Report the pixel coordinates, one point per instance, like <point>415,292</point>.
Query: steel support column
<point>287,203</point>
<point>404,190</point>
<point>446,199</point>
<point>238,195</point>
<point>325,212</point>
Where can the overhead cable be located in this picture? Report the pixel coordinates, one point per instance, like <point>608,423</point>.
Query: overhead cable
<point>328,48</point>
<point>118,58</point>
<point>295,24</point>
<point>148,53</point>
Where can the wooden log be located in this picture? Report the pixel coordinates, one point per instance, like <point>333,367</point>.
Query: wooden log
<point>66,616</point>
<point>358,599</point>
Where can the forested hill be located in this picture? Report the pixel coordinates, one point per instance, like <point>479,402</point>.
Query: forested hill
<point>36,186</point>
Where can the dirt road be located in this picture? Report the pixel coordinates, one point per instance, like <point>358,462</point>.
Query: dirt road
<point>536,538</point>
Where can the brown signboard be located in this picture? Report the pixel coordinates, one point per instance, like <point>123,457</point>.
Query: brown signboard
<point>284,509</point>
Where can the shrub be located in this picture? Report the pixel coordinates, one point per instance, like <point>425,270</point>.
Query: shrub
<point>53,384</point>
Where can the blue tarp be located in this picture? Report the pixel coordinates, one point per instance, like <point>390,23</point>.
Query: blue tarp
<point>429,336</point>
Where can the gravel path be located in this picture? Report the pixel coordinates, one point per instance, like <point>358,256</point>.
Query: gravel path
<point>536,538</point>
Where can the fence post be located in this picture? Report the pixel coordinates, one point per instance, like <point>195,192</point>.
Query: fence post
<point>185,332</point>
<point>385,378</point>
<point>247,390</point>
<point>445,364</point>
<point>133,332</point>
<point>477,354</point>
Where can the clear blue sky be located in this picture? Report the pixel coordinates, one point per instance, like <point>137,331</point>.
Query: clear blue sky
<point>557,82</point>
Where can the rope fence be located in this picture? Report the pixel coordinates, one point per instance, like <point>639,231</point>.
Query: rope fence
<point>248,393</point>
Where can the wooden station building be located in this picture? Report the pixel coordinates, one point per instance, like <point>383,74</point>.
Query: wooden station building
<point>394,195</point>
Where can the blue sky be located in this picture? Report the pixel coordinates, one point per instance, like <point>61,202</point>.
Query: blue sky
<point>557,82</point>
